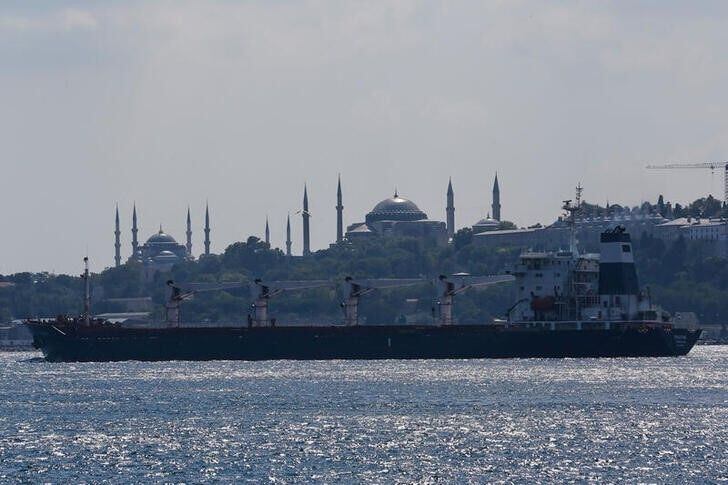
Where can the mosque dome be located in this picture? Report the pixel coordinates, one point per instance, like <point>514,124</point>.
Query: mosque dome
<point>396,209</point>
<point>161,238</point>
<point>487,224</point>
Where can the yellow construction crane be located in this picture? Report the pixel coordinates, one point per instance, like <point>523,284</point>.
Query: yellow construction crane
<point>711,165</point>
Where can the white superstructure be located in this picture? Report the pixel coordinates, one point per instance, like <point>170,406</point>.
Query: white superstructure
<point>568,286</point>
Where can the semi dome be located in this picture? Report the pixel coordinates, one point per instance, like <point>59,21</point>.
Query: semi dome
<point>165,256</point>
<point>396,209</point>
<point>488,222</point>
<point>486,225</point>
<point>161,238</point>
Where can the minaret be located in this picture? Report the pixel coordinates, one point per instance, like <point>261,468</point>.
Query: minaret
<point>496,200</point>
<point>207,230</point>
<point>117,240</point>
<point>134,231</point>
<point>339,214</point>
<point>288,236</point>
<point>189,233</point>
<point>306,228</point>
<point>267,232</point>
<point>450,210</point>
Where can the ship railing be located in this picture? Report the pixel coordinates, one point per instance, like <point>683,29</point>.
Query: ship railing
<point>586,325</point>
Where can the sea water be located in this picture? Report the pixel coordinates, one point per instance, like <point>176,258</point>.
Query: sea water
<point>520,420</point>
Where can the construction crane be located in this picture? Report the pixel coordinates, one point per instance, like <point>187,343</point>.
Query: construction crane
<point>359,288</point>
<point>178,295</point>
<point>711,165</point>
<point>268,289</point>
<point>451,289</point>
<point>264,291</point>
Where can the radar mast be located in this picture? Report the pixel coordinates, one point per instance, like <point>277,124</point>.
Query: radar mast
<point>571,210</point>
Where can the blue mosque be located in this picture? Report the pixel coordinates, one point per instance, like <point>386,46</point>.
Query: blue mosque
<point>161,251</point>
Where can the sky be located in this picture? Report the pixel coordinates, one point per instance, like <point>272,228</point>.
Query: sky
<point>172,104</point>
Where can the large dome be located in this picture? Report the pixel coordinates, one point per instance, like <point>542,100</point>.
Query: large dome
<point>396,209</point>
<point>162,238</point>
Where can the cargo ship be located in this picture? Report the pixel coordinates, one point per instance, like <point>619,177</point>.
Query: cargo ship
<point>569,305</point>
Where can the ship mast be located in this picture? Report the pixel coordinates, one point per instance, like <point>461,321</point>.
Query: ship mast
<point>87,294</point>
<point>571,212</point>
<point>579,190</point>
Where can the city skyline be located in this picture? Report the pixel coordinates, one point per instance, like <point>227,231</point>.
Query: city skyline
<point>147,102</point>
<point>441,228</point>
<point>338,237</point>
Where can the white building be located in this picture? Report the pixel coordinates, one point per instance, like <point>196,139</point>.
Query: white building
<point>712,230</point>
<point>706,230</point>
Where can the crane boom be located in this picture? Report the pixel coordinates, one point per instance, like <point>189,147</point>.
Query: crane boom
<point>359,288</point>
<point>710,165</point>
<point>450,290</point>
<point>269,289</point>
<point>670,166</point>
<point>178,295</point>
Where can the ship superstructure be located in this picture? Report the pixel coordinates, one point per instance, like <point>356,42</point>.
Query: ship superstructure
<point>562,286</point>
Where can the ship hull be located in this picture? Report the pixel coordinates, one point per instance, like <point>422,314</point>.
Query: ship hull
<point>104,343</point>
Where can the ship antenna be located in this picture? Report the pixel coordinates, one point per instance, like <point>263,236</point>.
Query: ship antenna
<point>579,190</point>
<point>87,293</point>
<point>571,212</point>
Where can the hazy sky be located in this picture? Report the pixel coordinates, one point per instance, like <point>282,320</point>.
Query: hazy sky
<point>171,103</point>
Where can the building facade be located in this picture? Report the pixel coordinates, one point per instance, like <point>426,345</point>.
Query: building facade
<point>556,235</point>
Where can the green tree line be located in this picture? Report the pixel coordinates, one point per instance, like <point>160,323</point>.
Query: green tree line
<point>682,276</point>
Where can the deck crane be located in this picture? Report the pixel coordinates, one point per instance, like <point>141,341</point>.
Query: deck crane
<point>359,288</point>
<point>178,295</point>
<point>450,289</point>
<point>711,165</point>
<point>269,289</point>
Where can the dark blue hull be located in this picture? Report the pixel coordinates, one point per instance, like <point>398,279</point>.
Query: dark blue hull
<point>107,343</point>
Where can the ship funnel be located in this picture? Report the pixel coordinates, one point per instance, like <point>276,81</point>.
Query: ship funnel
<point>618,285</point>
<point>617,273</point>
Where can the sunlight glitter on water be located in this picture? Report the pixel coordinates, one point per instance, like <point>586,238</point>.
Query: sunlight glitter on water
<point>655,420</point>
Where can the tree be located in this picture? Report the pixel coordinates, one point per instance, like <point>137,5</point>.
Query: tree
<point>462,238</point>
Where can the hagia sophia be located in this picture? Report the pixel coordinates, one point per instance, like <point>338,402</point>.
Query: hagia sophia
<point>392,217</point>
